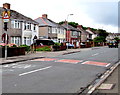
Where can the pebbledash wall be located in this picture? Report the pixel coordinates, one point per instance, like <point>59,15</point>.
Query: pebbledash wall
<point>21,29</point>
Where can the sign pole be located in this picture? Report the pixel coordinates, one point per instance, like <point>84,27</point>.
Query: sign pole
<point>6,40</point>
<point>6,17</point>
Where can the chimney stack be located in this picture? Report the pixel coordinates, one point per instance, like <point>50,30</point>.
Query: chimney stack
<point>65,22</point>
<point>44,16</point>
<point>6,5</point>
<point>89,28</point>
<point>80,26</point>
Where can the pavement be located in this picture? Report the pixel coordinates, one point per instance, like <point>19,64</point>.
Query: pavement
<point>112,79</point>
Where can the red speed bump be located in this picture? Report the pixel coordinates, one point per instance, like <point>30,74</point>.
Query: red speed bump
<point>69,61</point>
<point>45,59</point>
<point>96,63</point>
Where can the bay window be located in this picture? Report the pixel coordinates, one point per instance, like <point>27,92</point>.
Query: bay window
<point>15,40</point>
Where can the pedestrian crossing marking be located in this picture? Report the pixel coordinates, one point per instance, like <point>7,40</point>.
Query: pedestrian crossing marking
<point>69,61</point>
<point>44,59</point>
<point>96,63</point>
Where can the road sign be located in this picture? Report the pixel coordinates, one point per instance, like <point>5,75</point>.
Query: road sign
<point>6,16</point>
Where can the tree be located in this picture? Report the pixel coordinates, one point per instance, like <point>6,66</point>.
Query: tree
<point>74,24</point>
<point>102,34</point>
<point>99,39</point>
<point>62,22</point>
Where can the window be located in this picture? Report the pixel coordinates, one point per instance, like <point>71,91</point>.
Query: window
<point>27,26</point>
<point>49,30</point>
<point>34,28</point>
<point>15,40</point>
<point>12,24</point>
<point>27,40</point>
<point>15,24</point>
<point>54,30</point>
<point>59,31</point>
<point>90,36</point>
<point>74,33</point>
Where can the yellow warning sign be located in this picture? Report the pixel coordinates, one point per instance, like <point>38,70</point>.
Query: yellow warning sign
<point>6,15</point>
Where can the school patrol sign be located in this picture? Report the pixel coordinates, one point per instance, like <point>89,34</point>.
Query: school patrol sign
<point>6,16</point>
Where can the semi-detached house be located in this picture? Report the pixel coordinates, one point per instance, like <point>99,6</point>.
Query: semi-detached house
<point>92,34</point>
<point>21,29</point>
<point>72,34</point>
<point>84,34</point>
<point>50,29</point>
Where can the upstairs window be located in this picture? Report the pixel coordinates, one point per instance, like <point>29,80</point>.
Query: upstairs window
<point>27,26</point>
<point>74,33</point>
<point>15,24</point>
<point>34,28</point>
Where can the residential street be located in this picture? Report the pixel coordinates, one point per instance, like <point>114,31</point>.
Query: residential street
<point>57,74</point>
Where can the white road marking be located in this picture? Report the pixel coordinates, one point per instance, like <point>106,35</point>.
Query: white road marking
<point>9,65</point>
<point>24,66</point>
<point>107,64</point>
<point>95,54</point>
<point>35,71</point>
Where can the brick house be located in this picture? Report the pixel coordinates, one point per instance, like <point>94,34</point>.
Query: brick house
<point>72,34</point>
<point>84,34</point>
<point>21,29</point>
<point>51,30</point>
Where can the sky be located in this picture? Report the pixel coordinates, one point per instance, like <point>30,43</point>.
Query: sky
<point>99,14</point>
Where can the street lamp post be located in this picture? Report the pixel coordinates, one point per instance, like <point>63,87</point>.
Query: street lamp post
<point>67,37</point>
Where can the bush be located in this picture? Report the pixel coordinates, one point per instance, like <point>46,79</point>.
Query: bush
<point>27,48</point>
<point>46,48</point>
<point>57,44</point>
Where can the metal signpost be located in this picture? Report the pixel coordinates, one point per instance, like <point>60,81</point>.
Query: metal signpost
<point>6,17</point>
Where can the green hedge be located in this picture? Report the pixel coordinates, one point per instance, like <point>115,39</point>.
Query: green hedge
<point>27,48</point>
<point>44,49</point>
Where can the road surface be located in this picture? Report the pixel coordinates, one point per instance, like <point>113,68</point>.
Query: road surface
<point>59,74</point>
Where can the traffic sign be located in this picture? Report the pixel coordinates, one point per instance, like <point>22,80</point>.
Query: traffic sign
<point>6,16</point>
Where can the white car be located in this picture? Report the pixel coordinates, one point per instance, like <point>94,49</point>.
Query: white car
<point>69,45</point>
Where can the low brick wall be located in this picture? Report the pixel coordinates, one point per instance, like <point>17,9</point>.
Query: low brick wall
<point>13,51</point>
<point>58,48</point>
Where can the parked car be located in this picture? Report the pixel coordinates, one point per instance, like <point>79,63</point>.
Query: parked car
<point>82,45</point>
<point>69,45</point>
<point>113,44</point>
<point>41,42</point>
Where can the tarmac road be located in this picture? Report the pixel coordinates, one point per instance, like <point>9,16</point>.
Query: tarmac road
<point>57,74</point>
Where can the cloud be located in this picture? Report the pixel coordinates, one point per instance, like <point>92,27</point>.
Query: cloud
<point>90,13</point>
<point>103,12</point>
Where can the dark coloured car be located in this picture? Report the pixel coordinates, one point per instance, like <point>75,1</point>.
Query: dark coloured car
<point>113,44</point>
<point>40,42</point>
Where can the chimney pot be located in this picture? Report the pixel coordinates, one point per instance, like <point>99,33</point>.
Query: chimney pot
<point>6,5</point>
<point>44,16</point>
